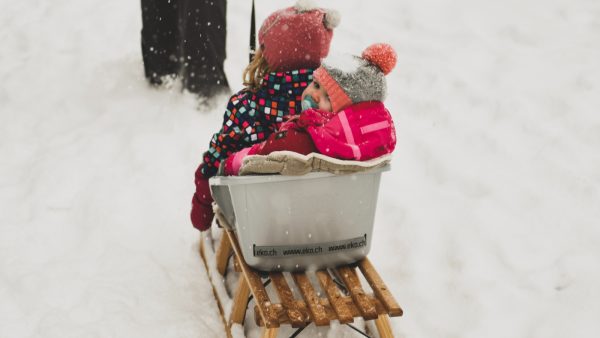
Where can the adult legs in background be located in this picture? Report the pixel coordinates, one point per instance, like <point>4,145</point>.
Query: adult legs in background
<point>186,38</point>
<point>202,27</point>
<point>160,39</point>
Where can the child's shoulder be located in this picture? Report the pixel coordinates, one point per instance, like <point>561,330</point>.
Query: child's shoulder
<point>366,106</point>
<point>241,98</point>
<point>366,112</point>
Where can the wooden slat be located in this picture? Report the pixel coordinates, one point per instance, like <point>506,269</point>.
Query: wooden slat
<point>287,299</point>
<point>349,302</point>
<point>379,288</point>
<point>282,315</point>
<point>317,311</point>
<point>350,279</point>
<point>301,306</point>
<point>240,303</point>
<point>256,287</point>
<point>223,252</point>
<point>269,332</point>
<point>383,326</point>
<point>342,311</point>
<point>236,264</point>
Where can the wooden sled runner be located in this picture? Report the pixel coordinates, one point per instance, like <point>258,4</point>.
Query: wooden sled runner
<point>344,298</point>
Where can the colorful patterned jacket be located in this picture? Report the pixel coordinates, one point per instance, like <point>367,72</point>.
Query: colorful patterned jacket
<point>251,117</point>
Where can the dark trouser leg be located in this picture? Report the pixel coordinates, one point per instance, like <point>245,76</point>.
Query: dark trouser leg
<point>160,39</point>
<point>202,26</point>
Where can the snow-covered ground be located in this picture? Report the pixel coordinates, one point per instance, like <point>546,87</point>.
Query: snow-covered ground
<point>488,225</point>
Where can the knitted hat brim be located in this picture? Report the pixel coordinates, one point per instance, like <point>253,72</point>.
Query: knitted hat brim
<point>338,98</point>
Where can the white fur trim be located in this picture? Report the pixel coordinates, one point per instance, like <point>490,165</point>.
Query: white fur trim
<point>332,18</point>
<point>305,5</point>
<point>374,162</point>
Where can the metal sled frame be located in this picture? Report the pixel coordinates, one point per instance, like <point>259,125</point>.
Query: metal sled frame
<point>344,301</point>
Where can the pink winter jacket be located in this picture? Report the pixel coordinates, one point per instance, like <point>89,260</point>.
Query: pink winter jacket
<point>360,132</point>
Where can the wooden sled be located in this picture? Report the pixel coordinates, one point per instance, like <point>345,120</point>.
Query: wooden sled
<point>345,299</point>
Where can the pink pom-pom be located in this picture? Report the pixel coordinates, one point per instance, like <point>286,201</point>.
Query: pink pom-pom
<point>382,55</point>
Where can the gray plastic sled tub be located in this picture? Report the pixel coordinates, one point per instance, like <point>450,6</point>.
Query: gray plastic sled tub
<point>287,223</point>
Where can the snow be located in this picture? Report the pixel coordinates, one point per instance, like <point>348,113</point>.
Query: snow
<point>487,226</point>
<point>346,63</point>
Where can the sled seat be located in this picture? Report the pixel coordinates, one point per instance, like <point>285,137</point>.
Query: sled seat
<point>296,212</point>
<point>342,298</point>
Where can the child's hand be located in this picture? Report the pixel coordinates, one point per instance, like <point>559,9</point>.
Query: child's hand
<point>234,162</point>
<point>202,212</point>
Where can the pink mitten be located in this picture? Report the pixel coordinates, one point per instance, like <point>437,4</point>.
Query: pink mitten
<point>202,212</point>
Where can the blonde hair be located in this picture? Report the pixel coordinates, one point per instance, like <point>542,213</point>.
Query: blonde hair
<point>255,71</point>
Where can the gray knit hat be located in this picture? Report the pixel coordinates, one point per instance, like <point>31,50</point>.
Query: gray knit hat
<point>351,79</point>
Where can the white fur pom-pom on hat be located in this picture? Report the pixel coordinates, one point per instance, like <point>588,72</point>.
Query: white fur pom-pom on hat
<point>381,55</point>
<point>305,5</point>
<point>332,18</point>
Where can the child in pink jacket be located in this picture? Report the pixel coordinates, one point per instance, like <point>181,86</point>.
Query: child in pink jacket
<point>343,114</point>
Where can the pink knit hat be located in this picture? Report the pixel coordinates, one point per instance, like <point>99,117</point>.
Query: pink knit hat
<point>297,37</point>
<point>351,79</point>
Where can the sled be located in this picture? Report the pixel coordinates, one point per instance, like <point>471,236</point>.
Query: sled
<point>287,237</point>
<point>345,298</point>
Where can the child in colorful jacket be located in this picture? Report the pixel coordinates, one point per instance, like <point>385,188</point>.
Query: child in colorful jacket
<point>292,42</point>
<point>343,113</point>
